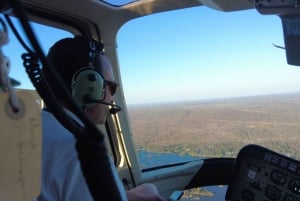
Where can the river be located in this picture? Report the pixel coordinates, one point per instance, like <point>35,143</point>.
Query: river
<point>149,159</point>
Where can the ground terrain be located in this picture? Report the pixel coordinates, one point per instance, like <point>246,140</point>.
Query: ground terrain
<point>219,127</point>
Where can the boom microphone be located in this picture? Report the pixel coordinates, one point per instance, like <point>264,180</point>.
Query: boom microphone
<point>113,110</point>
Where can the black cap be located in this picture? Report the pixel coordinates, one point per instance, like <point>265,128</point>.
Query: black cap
<point>69,55</point>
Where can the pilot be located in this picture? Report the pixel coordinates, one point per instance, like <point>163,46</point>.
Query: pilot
<point>62,179</point>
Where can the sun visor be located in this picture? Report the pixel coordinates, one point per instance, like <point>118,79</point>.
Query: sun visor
<point>289,13</point>
<point>291,30</point>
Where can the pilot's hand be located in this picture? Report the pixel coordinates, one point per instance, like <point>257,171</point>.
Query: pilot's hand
<point>133,196</point>
<point>144,192</point>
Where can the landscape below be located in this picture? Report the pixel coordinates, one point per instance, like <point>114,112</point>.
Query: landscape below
<point>219,128</point>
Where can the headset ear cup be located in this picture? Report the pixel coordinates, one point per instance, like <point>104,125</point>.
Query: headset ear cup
<point>87,84</point>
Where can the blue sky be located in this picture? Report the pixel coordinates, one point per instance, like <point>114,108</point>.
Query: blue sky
<point>193,54</point>
<point>201,53</point>
<point>46,37</point>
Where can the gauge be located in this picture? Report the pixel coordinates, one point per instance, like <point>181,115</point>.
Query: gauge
<point>290,198</point>
<point>295,186</point>
<point>273,193</point>
<point>278,177</point>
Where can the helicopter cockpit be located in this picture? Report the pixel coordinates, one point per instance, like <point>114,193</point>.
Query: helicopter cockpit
<point>182,125</point>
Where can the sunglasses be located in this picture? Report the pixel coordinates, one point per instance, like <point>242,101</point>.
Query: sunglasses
<point>112,86</point>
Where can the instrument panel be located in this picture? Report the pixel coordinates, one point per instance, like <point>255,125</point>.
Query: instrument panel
<point>261,174</point>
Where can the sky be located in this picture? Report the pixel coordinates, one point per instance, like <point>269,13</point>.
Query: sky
<point>192,54</point>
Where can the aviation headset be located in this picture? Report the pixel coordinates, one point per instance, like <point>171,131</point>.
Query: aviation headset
<point>88,85</point>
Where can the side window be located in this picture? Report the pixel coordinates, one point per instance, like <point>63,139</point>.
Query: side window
<point>204,83</point>
<point>46,36</point>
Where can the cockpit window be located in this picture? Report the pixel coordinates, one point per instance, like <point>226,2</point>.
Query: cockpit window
<point>208,83</point>
<point>46,37</point>
<point>118,2</point>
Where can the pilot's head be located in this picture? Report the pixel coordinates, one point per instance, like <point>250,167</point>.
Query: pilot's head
<point>86,72</point>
